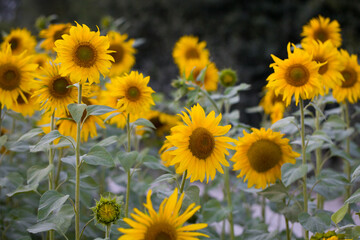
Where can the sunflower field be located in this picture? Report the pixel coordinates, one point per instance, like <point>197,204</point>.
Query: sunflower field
<point>90,150</point>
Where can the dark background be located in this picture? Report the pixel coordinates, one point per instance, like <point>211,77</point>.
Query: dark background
<point>239,34</point>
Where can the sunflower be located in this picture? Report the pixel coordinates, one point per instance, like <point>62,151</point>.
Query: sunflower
<point>111,101</point>
<point>53,89</point>
<point>260,155</point>
<point>163,122</point>
<point>228,77</point>
<point>322,29</point>
<point>189,48</point>
<point>165,155</point>
<point>349,89</point>
<point>52,33</point>
<point>211,77</point>
<point>16,76</point>
<point>296,76</point>
<point>26,107</point>
<point>273,105</point>
<point>67,126</point>
<point>20,40</point>
<point>123,53</point>
<point>165,224</point>
<point>326,54</point>
<point>132,93</point>
<point>83,54</point>
<point>200,144</point>
<point>41,59</point>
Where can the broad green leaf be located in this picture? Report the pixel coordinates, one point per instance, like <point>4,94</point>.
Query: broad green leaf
<point>97,110</point>
<point>3,140</point>
<point>341,153</point>
<point>340,214</point>
<point>231,91</point>
<point>99,156</point>
<point>144,122</point>
<point>192,195</point>
<point>355,174</point>
<point>212,211</point>
<point>127,159</point>
<point>76,110</point>
<point>111,116</point>
<point>15,146</point>
<point>292,212</point>
<point>86,183</point>
<point>354,198</point>
<point>23,189</point>
<point>316,108</point>
<point>156,166</point>
<point>321,135</point>
<point>275,193</point>
<point>49,202</point>
<point>335,121</point>
<point>165,177</point>
<point>292,172</point>
<point>43,144</point>
<point>320,222</point>
<point>108,141</point>
<point>278,125</point>
<point>30,134</point>
<point>36,174</point>
<point>71,160</point>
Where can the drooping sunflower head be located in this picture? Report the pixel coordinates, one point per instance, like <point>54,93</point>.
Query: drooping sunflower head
<point>123,53</point>
<point>201,144</point>
<point>107,210</point>
<point>260,155</point>
<point>83,54</point>
<point>194,69</point>
<point>331,60</point>
<point>228,77</point>
<point>20,40</point>
<point>16,76</point>
<point>25,104</point>
<point>189,48</point>
<point>166,224</point>
<point>273,105</point>
<point>349,89</point>
<point>132,93</point>
<point>296,76</point>
<point>322,29</point>
<point>53,33</point>
<point>54,89</point>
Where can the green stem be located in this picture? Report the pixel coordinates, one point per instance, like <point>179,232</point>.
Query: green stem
<point>320,199</point>
<point>347,164</point>
<point>51,162</point>
<point>0,119</point>
<point>183,182</point>
<point>288,236</point>
<point>107,232</point>
<point>303,148</point>
<point>228,196</point>
<point>263,208</point>
<point>77,172</point>
<point>82,231</point>
<point>128,172</point>
<point>210,99</point>
<point>58,167</point>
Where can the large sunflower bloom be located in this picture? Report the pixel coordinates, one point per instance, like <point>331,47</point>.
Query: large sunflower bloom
<point>53,33</point>
<point>123,53</point>
<point>322,29</point>
<point>189,48</point>
<point>326,54</point>
<point>20,40</point>
<point>273,105</point>
<point>350,88</point>
<point>83,54</point>
<point>260,155</point>
<point>296,76</point>
<point>16,75</point>
<point>201,144</point>
<point>167,224</point>
<point>211,76</point>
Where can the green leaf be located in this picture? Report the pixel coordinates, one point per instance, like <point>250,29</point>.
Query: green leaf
<point>127,159</point>
<point>321,135</point>
<point>212,211</point>
<point>49,202</point>
<point>165,177</point>
<point>108,141</point>
<point>23,189</point>
<point>111,116</point>
<point>3,140</point>
<point>341,153</point>
<point>36,174</point>
<point>156,166</point>
<point>43,144</point>
<point>292,172</point>
<point>354,198</point>
<point>76,110</point>
<point>231,91</point>
<point>144,122</point>
<point>31,134</point>
<point>71,160</point>
<point>320,222</point>
<point>334,121</point>
<point>99,156</point>
<point>340,214</point>
<point>278,125</point>
<point>292,212</point>
<point>97,110</point>
<point>192,195</point>
<point>275,193</point>
<point>355,174</point>
<point>316,108</point>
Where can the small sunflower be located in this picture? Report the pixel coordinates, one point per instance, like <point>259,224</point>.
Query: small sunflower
<point>228,77</point>
<point>53,89</point>
<point>211,77</point>
<point>111,101</point>
<point>132,93</point>
<point>163,122</point>
<point>322,29</point>
<point>16,76</point>
<point>189,48</point>
<point>260,155</point>
<point>83,54</point>
<point>349,89</point>
<point>273,105</point>
<point>330,235</point>
<point>26,107</point>
<point>41,59</point>
<point>201,144</point>
<point>165,155</point>
<point>53,33</point>
<point>330,58</point>
<point>167,224</point>
<point>123,53</point>
<point>296,76</point>
<point>107,210</point>
<point>20,40</point>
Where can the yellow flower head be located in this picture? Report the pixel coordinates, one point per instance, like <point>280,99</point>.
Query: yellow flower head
<point>189,48</point>
<point>349,89</point>
<point>26,106</point>
<point>260,155</point>
<point>273,105</point>
<point>163,122</point>
<point>167,223</point>
<point>41,59</point>
<point>83,54</point>
<point>107,211</point>
<point>322,29</point>
<point>211,77</point>
<point>201,144</point>
<point>296,76</point>
<point>53,33</point>
<point>165,155</point>
<point>123,53</point>
<point>20,40</point>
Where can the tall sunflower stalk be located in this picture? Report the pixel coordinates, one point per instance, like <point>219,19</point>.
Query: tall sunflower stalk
<point>128,131</point>
<point>51,162</point>
<point>347,168</point>
<point>77,171</point>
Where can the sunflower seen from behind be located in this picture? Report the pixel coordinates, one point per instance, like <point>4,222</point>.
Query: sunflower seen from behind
<point>259,156</point>
<point>201,144</point>
<point>167,223</point>
<point>297,76</point>
<point>53,33</point>
<point>20,40</point>
<point>83,54</point>
<point>349,89</point>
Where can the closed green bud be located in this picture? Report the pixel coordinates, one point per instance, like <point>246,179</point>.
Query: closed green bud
<point>107,211</point>
<point>228,77</point>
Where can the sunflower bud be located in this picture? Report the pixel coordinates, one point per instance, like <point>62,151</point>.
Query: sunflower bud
<point>228,77</point>
<point>107,210</point>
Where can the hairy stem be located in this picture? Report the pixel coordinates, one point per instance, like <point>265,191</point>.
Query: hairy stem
<point>228,197</point>
<point>347,168</point>
<point>183,182</point>
<point>320,199</point>
<point>128,172</point>
<point>51,162</point>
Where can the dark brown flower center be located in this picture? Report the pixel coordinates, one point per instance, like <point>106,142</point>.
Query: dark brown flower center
<point>20,99</point>
<point>192,53</point>
<point>264,155</point>
<point>9,77</point>
<point>321,35</point>
<point>278,98</point>
<point>350,77</point>
<point>161,231</point>
<point>297,75</point>
<point>201,143</point>
<point>156,121</point>
<point>60,87</point>
<point>85,55</point>
<point>58,34</point>
<point>118,55</point>
<point>323,69</point>
<point>14,43</point>
<point>133,93</point>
